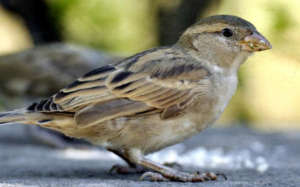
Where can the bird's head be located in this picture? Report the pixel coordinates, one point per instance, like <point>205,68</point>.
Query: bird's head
<point>227,32</point>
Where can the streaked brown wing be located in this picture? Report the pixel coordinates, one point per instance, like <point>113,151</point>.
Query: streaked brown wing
<point>144,93</point>
<point>138,94</point>
<point>114,109</point>
<point>88,89</point>
<point>147,85</point>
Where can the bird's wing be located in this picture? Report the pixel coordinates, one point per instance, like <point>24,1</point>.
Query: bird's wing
<point>155,82</point>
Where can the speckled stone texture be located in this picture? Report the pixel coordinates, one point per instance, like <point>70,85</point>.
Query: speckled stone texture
<point>248,158</point>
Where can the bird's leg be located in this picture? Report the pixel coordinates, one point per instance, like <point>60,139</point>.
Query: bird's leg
<point>130,169</point>
<point>164,173</point>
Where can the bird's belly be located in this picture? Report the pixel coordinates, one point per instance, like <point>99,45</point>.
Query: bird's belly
<point>151,133</point>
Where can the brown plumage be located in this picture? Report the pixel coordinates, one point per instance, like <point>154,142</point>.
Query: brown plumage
<point>155,98</point>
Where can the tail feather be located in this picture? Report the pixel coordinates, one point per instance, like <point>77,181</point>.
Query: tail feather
<point>23,116</point>
<point>16,116</point>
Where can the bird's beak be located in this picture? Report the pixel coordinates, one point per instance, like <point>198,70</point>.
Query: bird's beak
<point>255,42</point>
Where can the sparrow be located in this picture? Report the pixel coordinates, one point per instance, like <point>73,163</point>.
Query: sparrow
<point>153,99</point>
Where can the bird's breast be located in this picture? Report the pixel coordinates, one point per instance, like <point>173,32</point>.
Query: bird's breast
<point>209,108</point>
<point>224,88</point>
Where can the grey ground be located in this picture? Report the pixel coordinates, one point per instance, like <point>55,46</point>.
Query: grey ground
<point>247,158</point>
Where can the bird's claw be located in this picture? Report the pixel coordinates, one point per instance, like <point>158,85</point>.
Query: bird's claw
<point>182,177</point>
<point>153,176</point>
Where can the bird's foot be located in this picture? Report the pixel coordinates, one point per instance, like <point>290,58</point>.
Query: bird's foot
<point>181,176</point>
<point>124,170</point>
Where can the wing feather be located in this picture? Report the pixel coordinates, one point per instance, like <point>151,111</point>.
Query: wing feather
<point>107,111</point>
<point>167,85</point>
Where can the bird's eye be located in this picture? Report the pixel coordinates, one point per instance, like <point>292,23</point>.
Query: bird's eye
<point>227,32</point>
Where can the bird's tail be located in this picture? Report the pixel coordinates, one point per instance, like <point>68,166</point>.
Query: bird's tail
<point>12,117</point>
<point>23,116</point>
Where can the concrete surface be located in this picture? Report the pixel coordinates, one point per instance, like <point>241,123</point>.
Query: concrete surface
<point>247,158</point>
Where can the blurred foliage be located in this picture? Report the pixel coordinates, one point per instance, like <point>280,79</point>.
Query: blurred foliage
<point>108,25</point>
<point>13,34</point>
<point>282,20</point>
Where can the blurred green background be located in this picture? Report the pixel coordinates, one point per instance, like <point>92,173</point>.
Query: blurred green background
<point>268,97</point>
